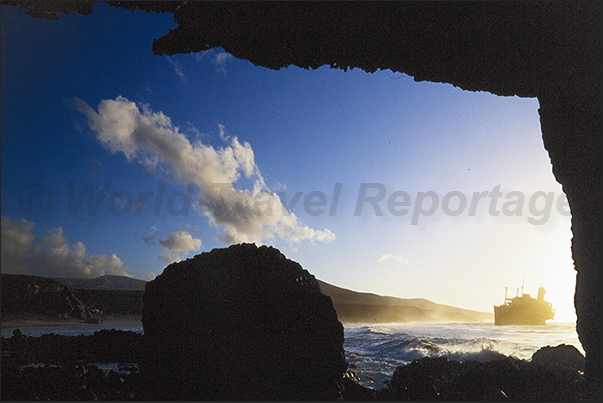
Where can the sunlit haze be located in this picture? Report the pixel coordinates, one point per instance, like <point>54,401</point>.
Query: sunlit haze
<point>372,182</point>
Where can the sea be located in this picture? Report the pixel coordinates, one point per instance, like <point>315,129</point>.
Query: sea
<point>375,350</point>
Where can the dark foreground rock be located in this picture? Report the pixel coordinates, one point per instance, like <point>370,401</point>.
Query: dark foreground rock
<point>563,355</point>
<point>240,323</point>
<point>102,346</point>
<point>62,368</point>
<point>66,368</point>
<point>505,379</point>
<point>69,382</point>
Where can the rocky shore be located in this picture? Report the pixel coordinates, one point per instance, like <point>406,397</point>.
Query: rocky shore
<point>105,366</point>
<point>64,368</point>
<point>246,323</point>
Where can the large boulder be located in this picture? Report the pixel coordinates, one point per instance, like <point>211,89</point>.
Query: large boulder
<point>563,355</point>
<point>240,323</point>
<point>439,378</point>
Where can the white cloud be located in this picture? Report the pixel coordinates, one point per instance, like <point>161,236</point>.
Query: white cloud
<point>180,241</point>
<point>51,255</point>
<point>150,138</point>
<point>397,259</point>
<point>177,245</point>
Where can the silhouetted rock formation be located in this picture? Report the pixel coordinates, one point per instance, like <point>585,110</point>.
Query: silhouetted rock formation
<point>549,50</point>
<point>113,296</point>
<point>571,130</point>
<point>240,323</point>
<point>62,369</point>
<point>49,10</point>
<point>563,355</point>
<point>36,297</point>
<point>67,383</point>
<point>115,346</point>
<point>504,379</point>
<point>114,303</point>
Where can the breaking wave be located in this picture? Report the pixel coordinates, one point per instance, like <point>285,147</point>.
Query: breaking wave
<point>374,351</point>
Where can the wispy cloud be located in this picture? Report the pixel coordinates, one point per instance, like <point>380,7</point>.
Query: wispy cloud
<point>177,67</point>
<point>151,139</point>
<point>177,245</point>
<point>190,128</point>
<point>150,238</point>
<point>397,259</point>
<point>217,57</point>
<point>51,255</point>
<point>149,276</point>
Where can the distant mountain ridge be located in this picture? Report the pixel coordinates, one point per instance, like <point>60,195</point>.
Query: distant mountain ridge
<point>106,282</point>
<point>351,306</point>
<point>363,307</point>
<point>122,296</point>
<point>37,298</point>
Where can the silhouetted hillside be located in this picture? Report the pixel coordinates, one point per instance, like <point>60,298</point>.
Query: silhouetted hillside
<point>114,302</point>
<point>106,282</point>
<point>353,306</point>
<point>118,295</point>
<point>32,297</point>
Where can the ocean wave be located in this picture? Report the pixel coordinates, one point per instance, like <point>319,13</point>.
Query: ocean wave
<point>374,356</point>
<point>380,329</point>
<point>477,350</point>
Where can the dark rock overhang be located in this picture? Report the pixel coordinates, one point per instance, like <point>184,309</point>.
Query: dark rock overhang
<point>550,50</point>
<point>506,48</point>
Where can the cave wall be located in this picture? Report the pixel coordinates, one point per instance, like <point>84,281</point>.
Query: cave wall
<point>571,130</point>
<point>549,50</point>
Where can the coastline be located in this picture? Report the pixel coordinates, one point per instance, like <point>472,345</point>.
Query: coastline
<point>39,322</point>
<point>106,366</point>
<point>126,320</point>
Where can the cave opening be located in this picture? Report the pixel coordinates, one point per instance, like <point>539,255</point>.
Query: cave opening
<point>527,60</point>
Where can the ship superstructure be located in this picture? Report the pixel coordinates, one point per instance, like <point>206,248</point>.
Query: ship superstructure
<point>524,309</point>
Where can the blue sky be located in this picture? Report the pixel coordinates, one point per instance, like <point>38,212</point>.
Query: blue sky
<point>86,104</point>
